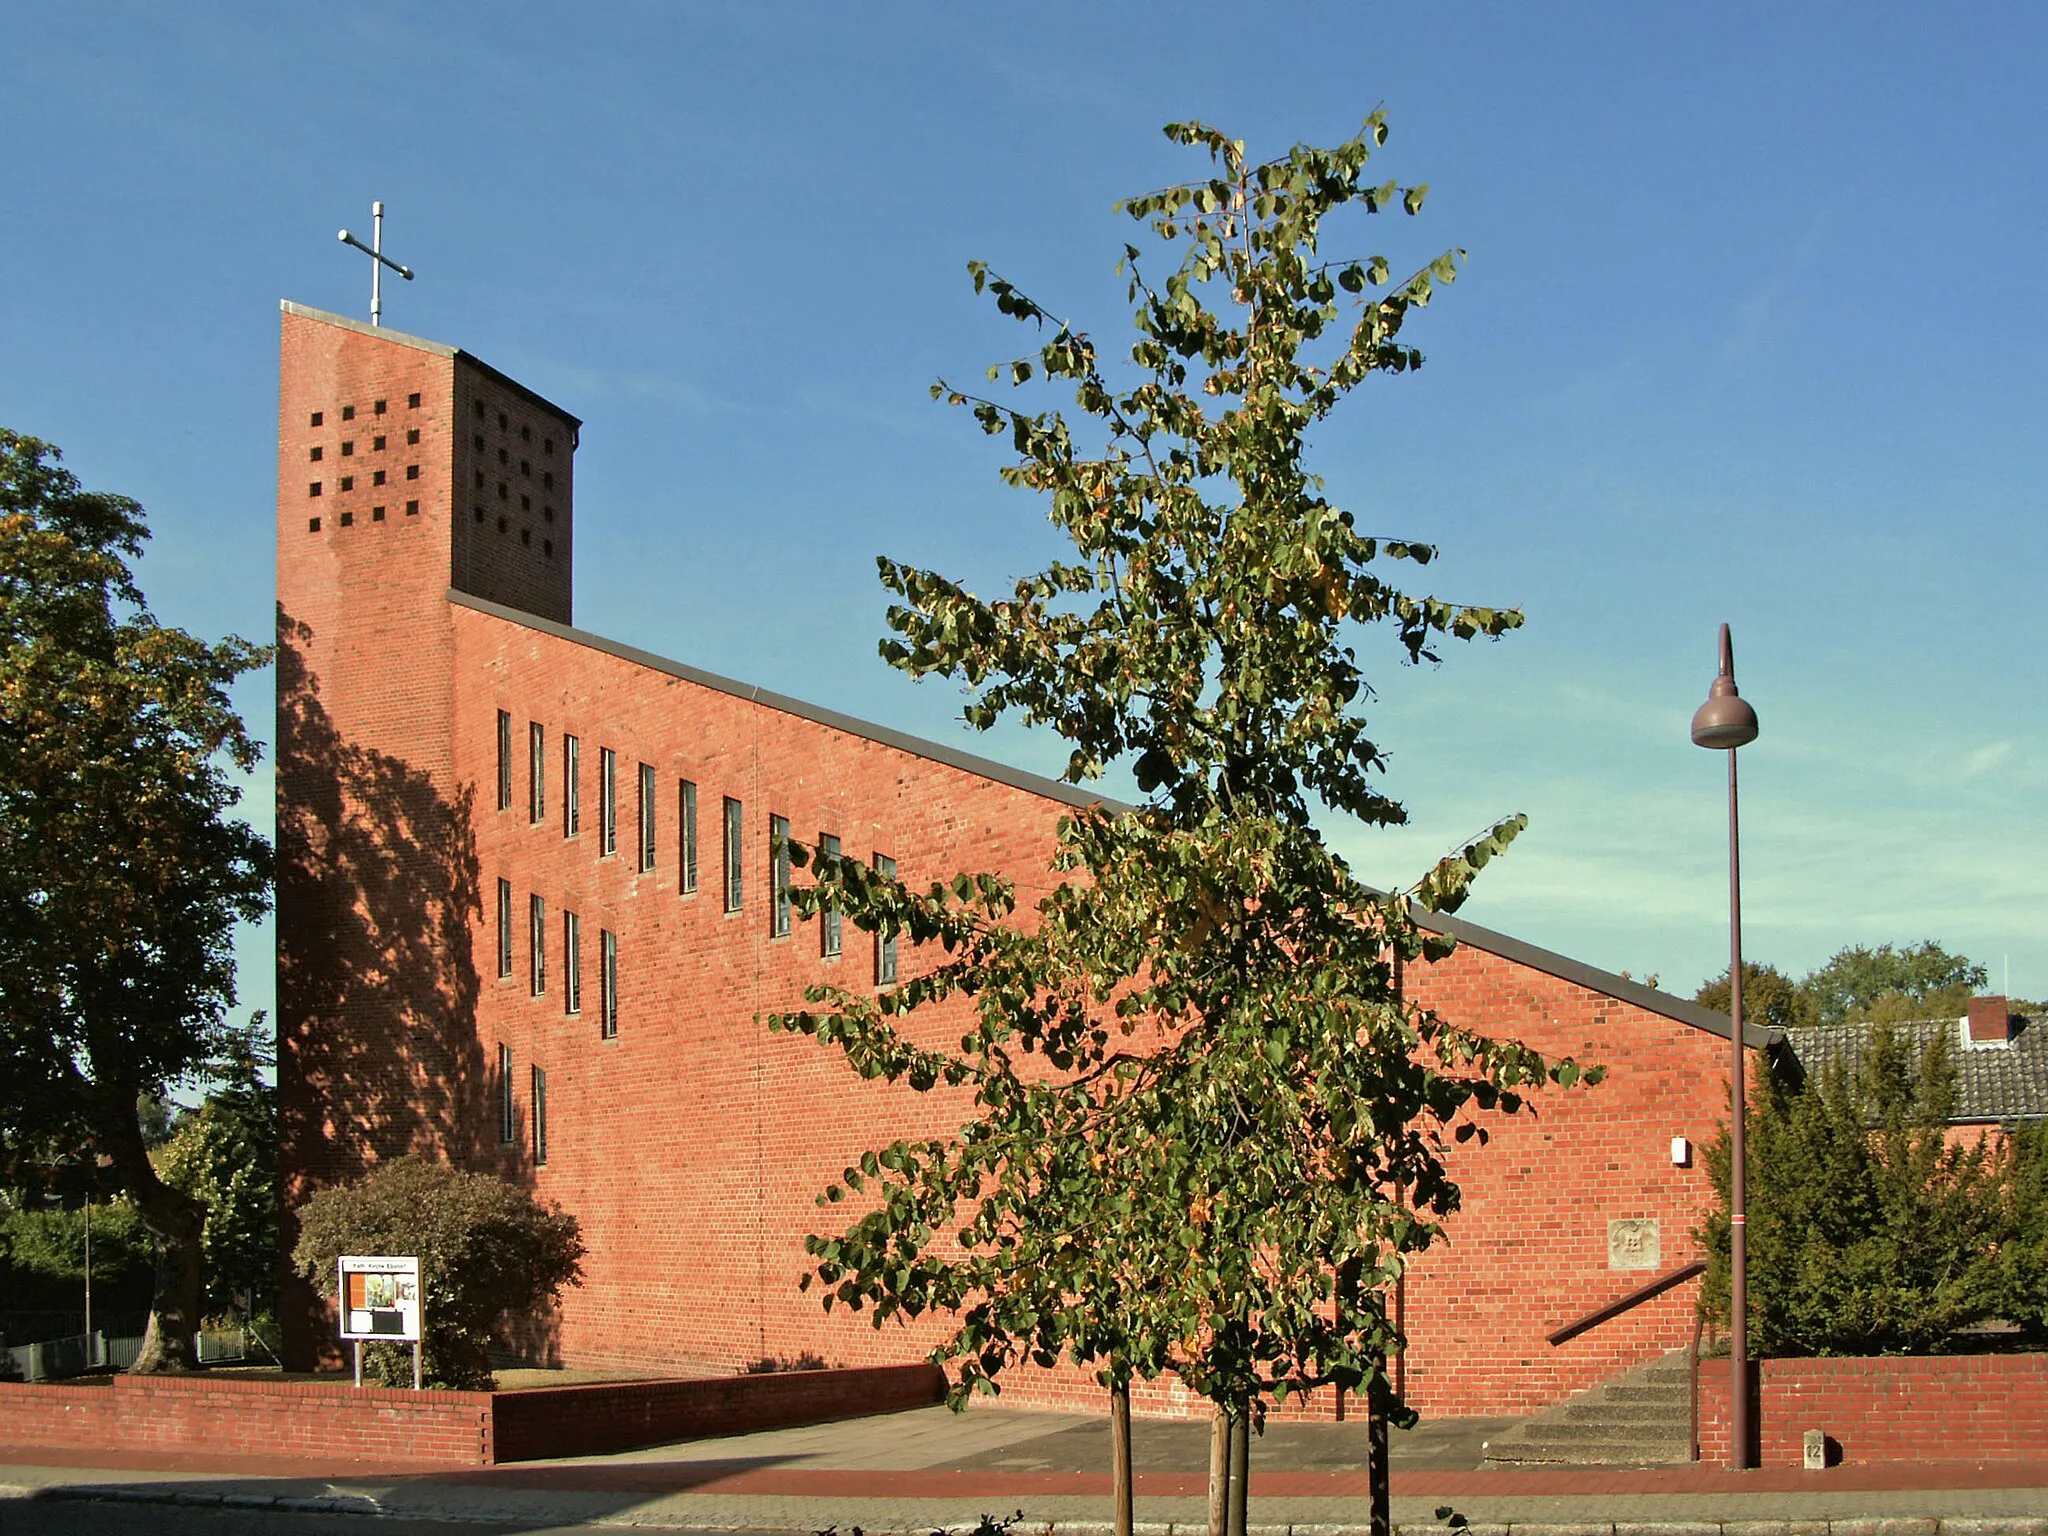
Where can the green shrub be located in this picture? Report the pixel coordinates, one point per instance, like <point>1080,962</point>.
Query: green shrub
<point>487,1250</point>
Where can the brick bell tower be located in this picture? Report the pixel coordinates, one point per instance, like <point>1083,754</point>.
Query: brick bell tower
<point>405,469</point>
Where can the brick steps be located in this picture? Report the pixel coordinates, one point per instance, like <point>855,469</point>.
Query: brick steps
<point>1643,1418</point>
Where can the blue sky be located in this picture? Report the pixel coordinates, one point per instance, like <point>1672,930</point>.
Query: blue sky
<point>1750,330</point>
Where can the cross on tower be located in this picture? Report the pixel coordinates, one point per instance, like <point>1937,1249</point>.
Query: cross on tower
<point>378,261</point>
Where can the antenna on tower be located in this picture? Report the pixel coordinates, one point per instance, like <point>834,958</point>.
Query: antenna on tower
<point>378,261</point>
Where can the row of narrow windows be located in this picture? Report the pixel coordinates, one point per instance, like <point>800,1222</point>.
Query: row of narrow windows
<point>483,413</point>
<point>571,985</point>
<point>377,408</point>
<point>831,935</point>
<point>348,519</point>
<point>318,451</point>
<point>508,1106</point>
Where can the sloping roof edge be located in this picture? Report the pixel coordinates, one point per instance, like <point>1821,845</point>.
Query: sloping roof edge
<point>1547,961</point>
<point>437,348</point>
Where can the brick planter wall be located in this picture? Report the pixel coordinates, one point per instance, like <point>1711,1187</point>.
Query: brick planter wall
<point>333,1421</point>
<point>1891,1408</point>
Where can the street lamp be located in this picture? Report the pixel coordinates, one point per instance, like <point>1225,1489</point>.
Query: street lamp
<point>1722,724</point>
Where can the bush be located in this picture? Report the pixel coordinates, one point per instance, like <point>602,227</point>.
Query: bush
<point>225,1154</point>
<point>1868,1232</point>
<point>42,1261</point>
<point>486,1250</point>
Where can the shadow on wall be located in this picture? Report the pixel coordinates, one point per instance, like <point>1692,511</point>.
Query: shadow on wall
<point>377,888</point>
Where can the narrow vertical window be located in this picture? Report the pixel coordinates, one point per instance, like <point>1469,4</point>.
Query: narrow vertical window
<point>572,963</point>
<point>686,837</point>
<point>646,817</point>
<point>885,936</point>
<point>540,1118</point>
<point>778,876</point>
<point>829,935</point>
<point>572,786</point>
<point>504,761</point>
<point>508,1127</point>
<point>607,802</point>
<point>537,773</point>
<point>537,911</point>
<point>608,984</point>
<point>504,927</point>
<point>735,868</point>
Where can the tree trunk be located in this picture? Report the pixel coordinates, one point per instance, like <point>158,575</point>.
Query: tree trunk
<point>1120,1453</point>
<point>1219,1470</point>
<point>174,1220</point>
<point>1379,1480</point>
<point>1240,1465</point>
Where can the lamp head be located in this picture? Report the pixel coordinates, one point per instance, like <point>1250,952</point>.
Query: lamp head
<point>1725,721</point>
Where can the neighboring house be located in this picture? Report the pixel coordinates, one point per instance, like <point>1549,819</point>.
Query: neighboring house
<point>528,920</point>
<point>2000,1057</point>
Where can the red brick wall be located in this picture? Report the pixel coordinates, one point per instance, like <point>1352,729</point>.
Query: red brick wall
<point>1893,1408</point>
<point>334,1422</point>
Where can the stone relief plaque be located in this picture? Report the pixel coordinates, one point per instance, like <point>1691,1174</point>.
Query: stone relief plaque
<point>1634,1242</point>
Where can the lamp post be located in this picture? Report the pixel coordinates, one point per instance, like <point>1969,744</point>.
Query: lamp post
<point>1722,724</point>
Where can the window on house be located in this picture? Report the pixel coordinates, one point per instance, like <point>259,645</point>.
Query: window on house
<point>829,935</point>
<point>778,876</point>
<point>686,837</point>
<point>504,927</point>
<point>885,936</point>
<point>508,1127</point>
<point>572,786</point>
<point>607,803</point>
<point>504,761</point>
<point>735,868</point>
<point>572,963</point>
<point>537,772</point>
<point>608,984</point>
<point>646,817</point>
<point>540,1118</point>
<point>537,913</point>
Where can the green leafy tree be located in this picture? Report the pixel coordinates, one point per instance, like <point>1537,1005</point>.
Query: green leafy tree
<point>1918,981</point>
<point>224,1155</point>
<point>1869,1233</point>
<point>43,1260</point>
<point>122,872</point>
<point>487,1250</point>
<point>1769,997</point>
<point>1207,1127</point>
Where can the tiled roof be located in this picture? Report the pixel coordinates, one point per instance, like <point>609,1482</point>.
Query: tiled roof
<point>1995,1082</point>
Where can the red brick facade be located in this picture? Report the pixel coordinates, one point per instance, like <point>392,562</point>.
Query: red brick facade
<point>690,1143</point>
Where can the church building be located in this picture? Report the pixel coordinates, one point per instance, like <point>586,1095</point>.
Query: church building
<point>528,918</point>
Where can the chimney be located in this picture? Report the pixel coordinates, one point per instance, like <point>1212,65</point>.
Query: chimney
<point>1990,1021</point>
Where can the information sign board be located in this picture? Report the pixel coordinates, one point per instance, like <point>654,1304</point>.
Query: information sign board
<point>380,1298</point>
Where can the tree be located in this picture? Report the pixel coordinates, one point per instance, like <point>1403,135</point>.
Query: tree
<point>1207,1127</point>
<point>1919,981</point>
<point>1869,1232</point>
<point>1769,997</point>
<point>122,873</point>
<point>224,1155</point>
<point>486,1250</point>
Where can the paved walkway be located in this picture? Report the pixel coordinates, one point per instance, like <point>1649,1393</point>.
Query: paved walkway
<point>928,1469</point>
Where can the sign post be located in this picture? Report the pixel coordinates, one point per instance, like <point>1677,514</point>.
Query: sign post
<point>380,1303</point>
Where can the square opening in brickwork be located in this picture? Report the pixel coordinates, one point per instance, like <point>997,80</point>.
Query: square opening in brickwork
<point>479,410</point>
<point>503,457</point>
<point>312,525</point>
<point>412,435</point>
<point>376,514</point>
<point>314,453</point>
<point>479,513</point>
<point>503,421</point>
<point>412,402</point>
<point>547,547</point>
<point>503,494</point>
<point>547,445</point>
<point>378,408</point>
<point>503,526</point>
<point>548,513</point>
<point>525,468</point>
<point>547,478</point>
<point>348,450</point>
<point>412,471</point>
<point>377,478</point>
<point>412,509</point>
<point>479,441</point>
<point>348,519</point>
<point>348,413</point>
<point>377,443</point>
<point>526,535</point>
<point>348,482</point>
<point>313,489</point>
<point>479,479</point>
<point>526,434</point>
<point>526,503</point>
<point>318,418</point>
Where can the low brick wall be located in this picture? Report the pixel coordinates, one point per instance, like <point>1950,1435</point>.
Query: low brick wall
<point>619,1416</point>
<point>333,1421</point>
<point>1888,1408</point>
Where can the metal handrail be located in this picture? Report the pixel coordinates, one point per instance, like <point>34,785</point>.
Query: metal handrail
<point>1634,1298</point>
